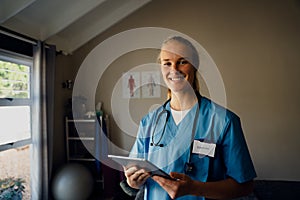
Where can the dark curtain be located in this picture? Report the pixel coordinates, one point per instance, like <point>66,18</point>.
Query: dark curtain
<point>42,119</point>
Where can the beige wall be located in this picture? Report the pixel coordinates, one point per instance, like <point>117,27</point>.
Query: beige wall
<point>255,45</point>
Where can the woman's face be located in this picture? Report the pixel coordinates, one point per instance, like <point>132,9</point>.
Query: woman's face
<point>177,71</point>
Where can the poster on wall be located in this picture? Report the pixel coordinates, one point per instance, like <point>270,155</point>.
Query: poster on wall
<point>131,85</point>
<point>150,84</point>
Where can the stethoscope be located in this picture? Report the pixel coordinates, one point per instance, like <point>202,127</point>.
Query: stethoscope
<point>188,165</point>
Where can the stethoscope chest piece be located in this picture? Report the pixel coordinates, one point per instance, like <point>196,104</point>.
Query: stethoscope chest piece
<point>188,168</point>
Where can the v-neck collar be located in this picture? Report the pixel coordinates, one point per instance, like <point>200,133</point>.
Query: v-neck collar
<point>171,122</point>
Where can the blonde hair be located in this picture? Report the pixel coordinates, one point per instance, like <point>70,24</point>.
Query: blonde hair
<point>195,59</point>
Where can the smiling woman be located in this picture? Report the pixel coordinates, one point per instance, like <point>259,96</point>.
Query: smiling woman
<point>201,145</point>
<point>179,61</point>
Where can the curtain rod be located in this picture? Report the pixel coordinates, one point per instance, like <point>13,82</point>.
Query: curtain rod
<point>18,36</point>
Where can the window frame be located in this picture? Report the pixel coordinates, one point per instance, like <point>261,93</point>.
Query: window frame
<point>8,56</point>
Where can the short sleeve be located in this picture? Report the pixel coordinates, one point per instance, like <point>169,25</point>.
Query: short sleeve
<point>236,155</point>
<point>137,149</point>
<point>140,146</point>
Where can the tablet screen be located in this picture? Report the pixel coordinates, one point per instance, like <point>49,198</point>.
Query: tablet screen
<point>140,163</point>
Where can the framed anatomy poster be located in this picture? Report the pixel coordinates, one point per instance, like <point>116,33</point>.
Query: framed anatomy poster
<point>150,84</point>
<point>131,85</point>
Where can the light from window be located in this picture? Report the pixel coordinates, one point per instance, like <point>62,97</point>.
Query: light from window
<point>14,80</point>
<point>15,124</point>
<point>16,118</point>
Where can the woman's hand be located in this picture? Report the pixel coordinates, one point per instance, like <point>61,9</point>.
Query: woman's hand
<point>136,177</point>
<point>175,188</point>
<point>184,185</point>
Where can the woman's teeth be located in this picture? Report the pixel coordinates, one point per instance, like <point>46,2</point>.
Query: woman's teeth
<point>177,78</point>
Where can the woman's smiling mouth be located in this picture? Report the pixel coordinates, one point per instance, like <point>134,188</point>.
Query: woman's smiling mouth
<point>177,78</point>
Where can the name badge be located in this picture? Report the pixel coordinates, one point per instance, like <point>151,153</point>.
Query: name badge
<point>204,148</point>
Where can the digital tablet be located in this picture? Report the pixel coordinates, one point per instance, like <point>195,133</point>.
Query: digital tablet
<point>140,163</point>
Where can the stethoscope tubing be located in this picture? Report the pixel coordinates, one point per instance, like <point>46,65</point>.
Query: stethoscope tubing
<point>188,166</point>
<point>165,124</point>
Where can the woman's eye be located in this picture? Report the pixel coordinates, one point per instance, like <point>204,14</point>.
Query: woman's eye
<point>167,64</point>
<point>182,62</point>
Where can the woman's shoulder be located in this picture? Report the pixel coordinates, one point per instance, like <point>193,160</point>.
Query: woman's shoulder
<point>152,112</point>
<point>210,107</point>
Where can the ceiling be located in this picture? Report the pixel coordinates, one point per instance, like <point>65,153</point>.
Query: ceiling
<point>68,24</point>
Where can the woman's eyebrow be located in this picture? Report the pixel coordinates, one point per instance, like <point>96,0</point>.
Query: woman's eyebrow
<point>167,59</point>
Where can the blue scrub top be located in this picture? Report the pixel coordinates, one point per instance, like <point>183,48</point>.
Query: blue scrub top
<point>216,125</point>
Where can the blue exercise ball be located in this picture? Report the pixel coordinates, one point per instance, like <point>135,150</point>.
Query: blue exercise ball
<point>73,181</point>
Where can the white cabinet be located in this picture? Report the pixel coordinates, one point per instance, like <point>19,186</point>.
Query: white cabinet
<point>83,144</point>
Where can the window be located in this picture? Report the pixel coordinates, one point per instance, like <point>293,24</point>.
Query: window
<point>15,116</point>
<point>15,99</point>
<point>15,80</point>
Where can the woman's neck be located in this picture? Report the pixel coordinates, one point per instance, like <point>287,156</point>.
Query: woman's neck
<point>183,101</point>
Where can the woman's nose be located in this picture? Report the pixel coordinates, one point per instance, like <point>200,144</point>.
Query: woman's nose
<point>174,66</point>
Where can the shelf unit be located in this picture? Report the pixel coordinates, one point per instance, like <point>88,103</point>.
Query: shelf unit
<point>81,144</point>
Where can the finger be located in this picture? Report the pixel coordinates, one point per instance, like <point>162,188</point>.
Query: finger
<point>157,178</point>
<point>143,177</point>
<point>162,181</point>
<point>147,174</point>
<point>177,176</point>
<point>130,171</point>
<point>170,186</point>
<point>134,174</point>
